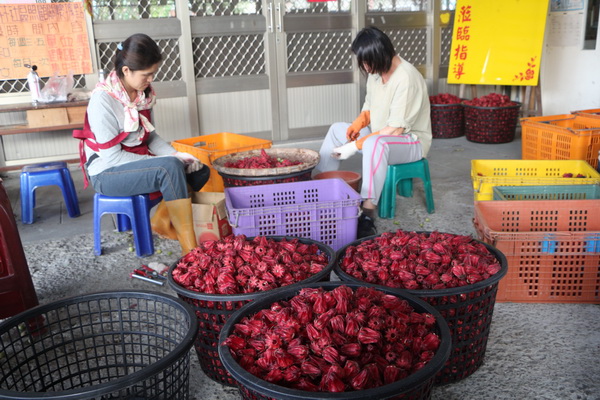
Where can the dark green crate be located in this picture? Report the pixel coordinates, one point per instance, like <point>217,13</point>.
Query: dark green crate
<point>553,192</point>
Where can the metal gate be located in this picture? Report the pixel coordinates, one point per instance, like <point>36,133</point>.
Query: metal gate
<point>273,69</point>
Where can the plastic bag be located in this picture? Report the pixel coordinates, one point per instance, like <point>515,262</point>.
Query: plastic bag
<point>57,88</point>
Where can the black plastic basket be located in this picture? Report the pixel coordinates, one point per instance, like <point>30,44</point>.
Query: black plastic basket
<point>416,386</point>
<point>133,345</point>
<point>491,124</point>
<point>447,120</point>
<point>239,180</point>
<point>467,309</point>
<point>213,310</point>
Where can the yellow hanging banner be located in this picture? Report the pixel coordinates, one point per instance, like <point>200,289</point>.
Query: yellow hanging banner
<point>497,42</point>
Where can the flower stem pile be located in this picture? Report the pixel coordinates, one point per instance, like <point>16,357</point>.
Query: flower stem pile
<point>235,265</point>
<point>411,260</point>
<point>335,341</point>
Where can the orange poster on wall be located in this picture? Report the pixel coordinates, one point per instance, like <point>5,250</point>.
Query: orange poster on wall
<point>52,36</point>
<point>497,42</point>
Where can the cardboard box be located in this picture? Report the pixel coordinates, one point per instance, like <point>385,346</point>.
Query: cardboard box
<point>210,216</point>
<point>76,114</point>
<point>47,117</point>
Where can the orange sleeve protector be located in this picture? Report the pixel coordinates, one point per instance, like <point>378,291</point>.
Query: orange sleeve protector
<point>360,122</point>
<point>361,141</point>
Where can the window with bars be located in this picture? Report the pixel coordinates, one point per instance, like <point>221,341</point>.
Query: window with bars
<point>397,5</point>
<point>306,7</point>
<point>319,51</point>
<point>219,8</point>
<point>219,56</point>
<point>170,68</point>
<point>119,10</point>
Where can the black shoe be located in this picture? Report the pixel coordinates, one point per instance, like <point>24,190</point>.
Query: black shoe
<point>366,227</point>
<point>198,179</point>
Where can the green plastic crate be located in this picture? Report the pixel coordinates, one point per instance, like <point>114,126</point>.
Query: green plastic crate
<point>552,192</point>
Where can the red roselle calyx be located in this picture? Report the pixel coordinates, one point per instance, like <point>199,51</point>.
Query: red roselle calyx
<point>261,161</point>
<point>348,352</point>
<point>235,265</point>
<point>420,261</point>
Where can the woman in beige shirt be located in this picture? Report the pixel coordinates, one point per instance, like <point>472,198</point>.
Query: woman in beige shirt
<point>394,126</point>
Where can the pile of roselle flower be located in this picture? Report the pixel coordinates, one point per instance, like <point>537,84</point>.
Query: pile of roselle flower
<point>445,98</point>
<point>335,341</point>
<point>491,100</point>
<point>262,161</point>
<point>411,260</point>
<point>235,265</point>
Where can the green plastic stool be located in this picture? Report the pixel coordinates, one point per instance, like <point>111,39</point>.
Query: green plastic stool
<point>400,176</point>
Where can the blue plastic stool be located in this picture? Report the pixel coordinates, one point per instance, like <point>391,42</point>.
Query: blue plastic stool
<point>399,177</point>
<point>46,174</point>
<point>133,213</point>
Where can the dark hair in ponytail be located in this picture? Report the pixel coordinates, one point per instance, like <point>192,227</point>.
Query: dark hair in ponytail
<point>137,52</point>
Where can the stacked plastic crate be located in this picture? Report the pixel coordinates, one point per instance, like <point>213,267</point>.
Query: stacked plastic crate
<point>208,148</point>
<point>543,215</point>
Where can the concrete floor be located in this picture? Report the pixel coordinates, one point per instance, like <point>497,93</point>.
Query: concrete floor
<point>535,351</point>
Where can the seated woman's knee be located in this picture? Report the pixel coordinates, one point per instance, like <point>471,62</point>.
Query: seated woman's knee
<point>370,143</point>
<point>172,164</point>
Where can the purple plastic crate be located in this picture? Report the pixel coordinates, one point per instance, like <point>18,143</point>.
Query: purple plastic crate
<point>325,210</point>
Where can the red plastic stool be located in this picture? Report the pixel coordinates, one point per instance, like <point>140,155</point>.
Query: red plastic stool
<point>17,292</point>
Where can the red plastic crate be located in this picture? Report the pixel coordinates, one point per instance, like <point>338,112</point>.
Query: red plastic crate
<point>552,248</point>
<point>325,210</point>
<point>561,137</point>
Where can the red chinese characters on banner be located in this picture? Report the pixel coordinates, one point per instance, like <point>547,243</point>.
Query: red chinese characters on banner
<point>461,51</point>
<point>52,36</point>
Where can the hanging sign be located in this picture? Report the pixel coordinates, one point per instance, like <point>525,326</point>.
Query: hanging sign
<point>52,36</point>
<point>497,42</point>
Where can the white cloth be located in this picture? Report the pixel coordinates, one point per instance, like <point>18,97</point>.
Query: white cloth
<point>345,151</point>
<point>192,164</point>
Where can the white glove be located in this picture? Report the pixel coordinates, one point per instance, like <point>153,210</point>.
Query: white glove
<point>344,152</point>
<point>186,158</point>
<point>193,167</point>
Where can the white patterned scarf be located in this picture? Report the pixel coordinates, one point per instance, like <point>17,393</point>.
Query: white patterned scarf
<point>113,86</point>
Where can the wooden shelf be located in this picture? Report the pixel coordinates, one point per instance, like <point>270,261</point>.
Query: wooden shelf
<point>16,129</point>
<point>44,117</point>
<point>40,106</point>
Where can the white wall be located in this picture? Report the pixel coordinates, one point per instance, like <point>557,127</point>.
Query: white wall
<point>570,76</point>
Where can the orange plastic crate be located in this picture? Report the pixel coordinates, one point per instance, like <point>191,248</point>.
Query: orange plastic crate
<point>561,137</point>
<point>552,248</point>
<point>208,148</point>
<point>592,113</point>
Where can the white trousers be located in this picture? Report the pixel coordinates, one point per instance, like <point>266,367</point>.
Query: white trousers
<point>378,152</point>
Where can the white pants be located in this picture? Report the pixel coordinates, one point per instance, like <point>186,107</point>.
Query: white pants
<point>378,152</point>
